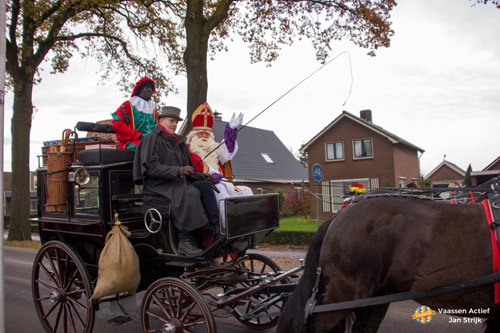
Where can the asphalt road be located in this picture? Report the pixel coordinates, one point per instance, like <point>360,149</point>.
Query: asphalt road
<point>20,310</point>
<point>21,316</point>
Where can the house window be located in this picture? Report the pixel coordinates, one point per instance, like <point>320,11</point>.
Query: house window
<point>267,158</point>
<point>363,148</point>
<point>402,181</point>
<point>414,181</point>
<point>33,205</point>
<point>334,151</point>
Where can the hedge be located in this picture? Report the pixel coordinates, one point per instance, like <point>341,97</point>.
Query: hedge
<point>278,237</point>
<point>286,237</point>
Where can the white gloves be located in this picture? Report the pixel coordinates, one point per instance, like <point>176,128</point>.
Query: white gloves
<point>236,121</point>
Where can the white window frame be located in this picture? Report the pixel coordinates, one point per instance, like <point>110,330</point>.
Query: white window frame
<point>267,158</point>
<point>402,182</point>
<point>362,145</point>
<point>340,190</point>
<point>335,152</point>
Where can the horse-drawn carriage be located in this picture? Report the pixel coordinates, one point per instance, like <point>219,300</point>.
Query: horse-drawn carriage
<point>179,290</point>
<point>389,248</point>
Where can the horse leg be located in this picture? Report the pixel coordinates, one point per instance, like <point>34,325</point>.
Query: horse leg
<point>332,322</point>
<point>369,319</point>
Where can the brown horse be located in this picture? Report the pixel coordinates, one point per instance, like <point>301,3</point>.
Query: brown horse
<point>388,245</point>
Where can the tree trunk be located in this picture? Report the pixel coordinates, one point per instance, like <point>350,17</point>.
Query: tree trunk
<point>195,58</point>
<point>20,228</point>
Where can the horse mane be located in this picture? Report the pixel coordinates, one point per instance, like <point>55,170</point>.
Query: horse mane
<point>388,193</point>
<point>292,315</point>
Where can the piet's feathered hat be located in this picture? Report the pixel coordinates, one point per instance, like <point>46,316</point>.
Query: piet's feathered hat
<point>203,118</point>
<point>357,189</point>
<point>141,84</point>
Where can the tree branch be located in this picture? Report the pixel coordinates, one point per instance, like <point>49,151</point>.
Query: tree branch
<point>219,15</point>
<point>12,64</point>
<point>50,11</point>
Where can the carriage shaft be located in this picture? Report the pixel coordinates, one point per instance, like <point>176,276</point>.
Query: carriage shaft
<point>266,285</point>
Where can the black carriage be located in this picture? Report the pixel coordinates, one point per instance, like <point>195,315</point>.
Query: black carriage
<point>99,190</point>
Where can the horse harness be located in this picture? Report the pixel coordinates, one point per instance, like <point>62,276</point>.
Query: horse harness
<point>493,198</point>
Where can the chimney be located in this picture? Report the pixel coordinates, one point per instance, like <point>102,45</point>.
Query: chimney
<point>366,115</point>
<point>217,115</point>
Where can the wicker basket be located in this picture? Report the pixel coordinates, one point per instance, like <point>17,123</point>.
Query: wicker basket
<point>57,175</point>
<point>57,191</point>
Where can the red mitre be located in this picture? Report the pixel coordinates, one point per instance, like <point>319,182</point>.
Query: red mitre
<point>203,118</point>
<point>141,81</point>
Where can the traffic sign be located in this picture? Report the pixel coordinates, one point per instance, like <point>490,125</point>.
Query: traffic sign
<point>317,172</point>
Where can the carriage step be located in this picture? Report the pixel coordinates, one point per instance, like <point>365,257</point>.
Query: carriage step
<point>119,320</point>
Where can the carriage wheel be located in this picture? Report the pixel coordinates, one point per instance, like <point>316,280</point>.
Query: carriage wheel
<point>172,305</point>
<point>255,265</point>
<point>61,289</point>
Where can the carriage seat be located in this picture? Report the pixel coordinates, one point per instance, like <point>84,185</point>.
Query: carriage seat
<point>105,156</point>
<point>102,155</point>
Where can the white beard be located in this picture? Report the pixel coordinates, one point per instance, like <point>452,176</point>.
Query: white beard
<point>202,148</point>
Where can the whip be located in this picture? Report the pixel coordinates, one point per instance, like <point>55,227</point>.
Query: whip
<point>278,99</point>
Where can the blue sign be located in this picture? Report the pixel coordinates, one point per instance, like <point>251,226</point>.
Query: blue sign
<point>317,172</point>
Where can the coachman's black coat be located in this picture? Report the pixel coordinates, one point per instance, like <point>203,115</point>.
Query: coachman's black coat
<point>156,164</point>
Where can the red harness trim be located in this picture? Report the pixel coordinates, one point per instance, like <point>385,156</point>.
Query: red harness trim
<point>494,247</point>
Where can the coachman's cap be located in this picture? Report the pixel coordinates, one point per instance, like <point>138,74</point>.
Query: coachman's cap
<point>170,111</point>
<point>203,118</point>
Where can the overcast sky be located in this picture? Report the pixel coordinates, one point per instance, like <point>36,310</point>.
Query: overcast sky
<point>437,86</point>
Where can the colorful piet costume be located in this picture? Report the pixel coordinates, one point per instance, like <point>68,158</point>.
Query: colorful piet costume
<point>217,163</point>
<point>134,119</point>
<point>354,189</point>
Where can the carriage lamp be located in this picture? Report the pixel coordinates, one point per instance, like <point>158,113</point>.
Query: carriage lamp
<point>81,176</point>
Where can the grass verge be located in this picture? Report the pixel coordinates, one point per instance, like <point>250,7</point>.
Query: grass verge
<point>298,223</point>
<point>26,244</point>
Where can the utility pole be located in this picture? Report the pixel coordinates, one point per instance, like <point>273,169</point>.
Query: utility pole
<point>3,26</point>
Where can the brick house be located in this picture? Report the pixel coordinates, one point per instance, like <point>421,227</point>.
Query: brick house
<point>445,173</point>
<point>354,150</point>
<point>492,170</point>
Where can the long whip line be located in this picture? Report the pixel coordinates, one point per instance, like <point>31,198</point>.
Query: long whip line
<point>277,100</point>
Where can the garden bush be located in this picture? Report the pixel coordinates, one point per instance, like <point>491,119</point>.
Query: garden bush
<point>287,237</point>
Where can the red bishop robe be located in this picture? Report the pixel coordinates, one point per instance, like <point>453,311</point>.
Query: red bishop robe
<point>225,170</point>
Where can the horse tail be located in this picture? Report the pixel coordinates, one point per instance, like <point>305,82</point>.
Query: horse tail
<point>292,315</point>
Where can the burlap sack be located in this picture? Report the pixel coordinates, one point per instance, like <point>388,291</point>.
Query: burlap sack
<point>118,269</point>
